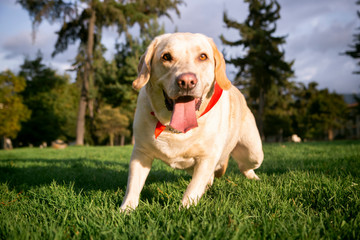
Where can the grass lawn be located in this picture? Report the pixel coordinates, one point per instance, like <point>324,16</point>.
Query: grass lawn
<point>307,191</point>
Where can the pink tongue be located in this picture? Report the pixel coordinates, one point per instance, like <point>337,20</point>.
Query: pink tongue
<point>184,117</point>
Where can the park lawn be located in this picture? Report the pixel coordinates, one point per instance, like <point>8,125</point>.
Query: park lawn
<point>306,191</point>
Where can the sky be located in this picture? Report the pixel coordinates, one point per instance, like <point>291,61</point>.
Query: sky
<point>317,32</point>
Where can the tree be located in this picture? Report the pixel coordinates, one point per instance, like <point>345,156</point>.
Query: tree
<point>109,122</point>
<point>114,78</point>
<point>279,111</point>
<point>263,67</point>
<point>52,100</point>
<point>303,96</point>
<point>12,109</point>
<point>354,51</point>
<point>329,110</point>
<point>319,112</point>
<point>84,20</point>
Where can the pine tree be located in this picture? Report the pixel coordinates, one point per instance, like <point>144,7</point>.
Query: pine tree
<point>355,47</point>
<point>263,66</point>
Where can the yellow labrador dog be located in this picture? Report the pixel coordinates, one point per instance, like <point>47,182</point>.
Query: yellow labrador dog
<point>190,116</point>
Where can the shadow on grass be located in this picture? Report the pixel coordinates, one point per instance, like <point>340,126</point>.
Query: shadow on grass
<point>91,174</point>
<point>332,167</point>
<point>85,174</point>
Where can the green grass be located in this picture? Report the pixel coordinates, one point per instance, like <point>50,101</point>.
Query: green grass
<point>307,191</point>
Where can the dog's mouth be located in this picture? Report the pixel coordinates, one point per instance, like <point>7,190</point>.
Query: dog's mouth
<point>183,110</point>
<point>169,103</point>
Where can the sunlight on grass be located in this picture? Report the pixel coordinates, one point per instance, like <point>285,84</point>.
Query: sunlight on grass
<point>307,191</point>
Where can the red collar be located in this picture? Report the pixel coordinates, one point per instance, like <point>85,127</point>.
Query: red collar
<point>214,99</point>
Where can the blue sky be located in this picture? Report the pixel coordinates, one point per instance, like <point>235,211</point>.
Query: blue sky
<point>317,32</point>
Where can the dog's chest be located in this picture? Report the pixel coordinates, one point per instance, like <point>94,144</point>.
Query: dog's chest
<point>181,163</point>
<point>179,153</point>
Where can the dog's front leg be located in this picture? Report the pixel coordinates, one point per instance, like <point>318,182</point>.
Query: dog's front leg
<point>202,176</point>
<point>139,168</point>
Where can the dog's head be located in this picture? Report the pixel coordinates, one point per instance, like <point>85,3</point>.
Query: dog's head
<point>180,70</point>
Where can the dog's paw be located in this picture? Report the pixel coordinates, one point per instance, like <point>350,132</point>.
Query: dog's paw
<point>187,202</point>
<point>251,175</point>
<point>126,210</point>
<point>128,207</point>
<point>185,206</point>
<point>210,182</point>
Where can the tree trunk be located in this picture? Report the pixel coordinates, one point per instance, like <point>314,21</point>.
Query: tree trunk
<point>80,127</point>
<point>330,134</point>
<point>91,108</point>
<point>111,137</point>
<point>122,140</point>
<point>89,59</point>
<point>260,122</point>
<point>2,142</point>
<point>91,115</point>
<point>281,133</point>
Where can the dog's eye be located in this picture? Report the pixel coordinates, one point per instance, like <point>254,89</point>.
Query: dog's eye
<point>203,57</point>
<point>167,57</point>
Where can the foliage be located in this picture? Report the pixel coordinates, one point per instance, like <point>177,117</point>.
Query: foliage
<point>74,16</point>
<point>306,191</point>
<point>319,112</point>
<point>357,99</point>
<point>12,109</point>
<point>354,51</point>
<point>114,78</point>
<point>263,67</point>
<point>311,113</point>
<point>116,87</point>
<point>279,111</point>
<point>53,102</point>
<point>281,107</point>
<point>109,122</point>
<point>84,20</point>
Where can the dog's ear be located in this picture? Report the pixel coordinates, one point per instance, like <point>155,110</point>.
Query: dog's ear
<point>144,67</point>
<point>220,68</point>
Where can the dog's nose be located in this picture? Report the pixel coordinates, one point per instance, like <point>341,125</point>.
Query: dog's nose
<point>186,81</point>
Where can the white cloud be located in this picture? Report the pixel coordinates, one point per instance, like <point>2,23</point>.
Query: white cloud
<point>308,74</point>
